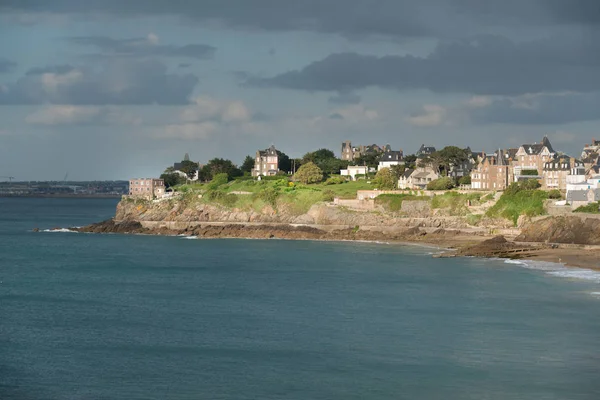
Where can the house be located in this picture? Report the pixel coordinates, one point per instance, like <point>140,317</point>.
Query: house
<point>389,158</point>
<point>532,157</point>
<point>591,151</point>
<point>578,198</point>
<point>555,172</point>
<point>417,178</point>
<point>425,151</point>
<point>353,170</point>
<point>266,162</point>
<point>464,168</point>
<point>146,188</point>
<point>493,172</point>
<point>351,153</point>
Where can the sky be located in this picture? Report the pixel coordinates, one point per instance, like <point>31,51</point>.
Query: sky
<point>113,89</point>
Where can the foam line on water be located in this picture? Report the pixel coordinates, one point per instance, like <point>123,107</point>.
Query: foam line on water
<point>61,230</point>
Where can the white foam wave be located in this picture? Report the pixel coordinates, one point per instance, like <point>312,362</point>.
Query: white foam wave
<point>560,270</point>
<point>189,237</point>
<point>61,230</point>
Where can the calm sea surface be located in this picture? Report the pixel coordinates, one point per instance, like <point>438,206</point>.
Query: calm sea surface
<point>87,316</point>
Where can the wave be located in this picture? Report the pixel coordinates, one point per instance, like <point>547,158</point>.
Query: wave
<point>61,230</point>
<point>188,237</point>
<point>560,271</point>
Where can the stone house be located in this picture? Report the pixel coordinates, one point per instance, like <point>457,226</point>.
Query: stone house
<point>493,172</point>
<point>417,178</point>
<point>425,151</point>
<point>578,198</point>
<point>389,158</point>
<point>591,151</point>
<point>351,153</point>
<point>555,172</point>
<point>146,188</point>
<point>532,157</point>
<point>266,162</point>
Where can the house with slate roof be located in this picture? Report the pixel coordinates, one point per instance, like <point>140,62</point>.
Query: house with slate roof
<point>578,198</point>
<point>266,162</point>
<point>389,158</point>
<point>351,153</point>
<point>417,178</point>
<point>555,172</point>
<point>532,157</point>
<point>494,171</point>
<point>425,151</point>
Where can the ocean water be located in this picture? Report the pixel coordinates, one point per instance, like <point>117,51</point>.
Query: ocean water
<point>86,316</point>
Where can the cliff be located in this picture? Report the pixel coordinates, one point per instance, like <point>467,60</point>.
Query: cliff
<point>562,229</point>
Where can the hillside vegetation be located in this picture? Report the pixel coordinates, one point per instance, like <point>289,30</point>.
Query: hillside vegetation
<point>519,199</point>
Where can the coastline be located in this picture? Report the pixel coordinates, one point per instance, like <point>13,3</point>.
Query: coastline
<point>448,242</point>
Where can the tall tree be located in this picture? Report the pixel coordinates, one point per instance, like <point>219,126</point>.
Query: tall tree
<point>219,166</point>
<point>189,168</point>
<point>248,164</point>
<point>285,164</point>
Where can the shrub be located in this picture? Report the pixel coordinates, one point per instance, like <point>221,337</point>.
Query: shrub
<point>335,180</point>
<point>516,201</point>
<point>445,183</point>
<point>328,195</point>
<point>269,195</point>
<point>309,173</point>
<point>529,172</point>
<point>555,194</point>
<point>359,176</point>
<point>385,179</point>
<point>592,208</point>
<point>465,180</point>
<point>218,180</point>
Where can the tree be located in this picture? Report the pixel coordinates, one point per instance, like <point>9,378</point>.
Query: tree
<point>318,156</point>
<point>172,179</point>
<point>309,173</point>
<point>398,170</point>
<point>433,161</point>
<point>371,160</point>
<point>410,161</point>
<point>189,168</point>
<point>326,160</point>
<point>465,180</point>
<point>218,166</point>
<point>285,164</point>
<point>385,179</point>
<point>248,164</point>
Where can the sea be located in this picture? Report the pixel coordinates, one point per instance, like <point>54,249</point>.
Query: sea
<point>92,316</point>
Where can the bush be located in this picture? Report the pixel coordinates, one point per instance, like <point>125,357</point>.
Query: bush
<point>328,195</point>
<point>516,201</point>
<point>445,183</point>
<point>269,195</point>
<point>218,180</point>
<point>555,194</point>
<point>309,173</point>
<point>592,208</point>
<point>335,180</point>
<point>529,172</point>
<point>385,179</point>
<point>465,180</point>
<point>393,202</point>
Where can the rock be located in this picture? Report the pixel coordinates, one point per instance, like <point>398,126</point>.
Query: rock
<point>562,229</point>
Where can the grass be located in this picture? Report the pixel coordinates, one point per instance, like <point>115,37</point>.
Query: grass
<point>514,204</point>
<point>592,208</point>
<point>393,202</point>
<point>455,202</point>
<point>345,190</point>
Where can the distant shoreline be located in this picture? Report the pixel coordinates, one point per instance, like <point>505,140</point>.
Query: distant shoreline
<point>63,196</point>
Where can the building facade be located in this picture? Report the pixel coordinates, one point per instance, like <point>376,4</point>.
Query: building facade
<point>493,172</point>
<point>146,188</point>
<point>532,157</point>
<point>389,158</point>
<point>266,162</point>
<point>556,172</point>
<point>351,153</point>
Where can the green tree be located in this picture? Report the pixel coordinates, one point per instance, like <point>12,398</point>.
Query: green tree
<point>371,160</point>
<point>248,164</point>
<point>410,161</point>
<point>172,179</point>
<point>385,179</point>
<point>398,170</point>
<point>189,168</point>
<point>465,180</point>
<point>285,164</point>
<point>218,166</point>
<point>309,173</point>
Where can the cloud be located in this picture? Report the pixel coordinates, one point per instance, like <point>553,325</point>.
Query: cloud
<point>184,65</point>
<point>188,131</point>
<point>81,115</point>
<point>538,109</point>
<point>345,97</point>
<point>6,65</point>
<point>210,109</point>
<point>142,47</point>
<point>480,65</point>
<point>431,115</point>
<point>395,18</point>
<point>117,82</point>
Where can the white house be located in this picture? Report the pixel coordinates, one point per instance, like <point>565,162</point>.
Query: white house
<point>390,158</point>
<point>354,170</point>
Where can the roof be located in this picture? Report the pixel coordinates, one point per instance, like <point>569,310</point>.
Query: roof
<point>271,151</point>
<point>407,173</point>
<point>425,150</point>
<point>582,195</point>
<point>391,156</point>
<point>562,163</point>
<point>536,148</point>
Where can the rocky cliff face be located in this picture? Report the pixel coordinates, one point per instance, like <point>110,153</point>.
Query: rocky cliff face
<point>178,213</point>
<point>571,229</point>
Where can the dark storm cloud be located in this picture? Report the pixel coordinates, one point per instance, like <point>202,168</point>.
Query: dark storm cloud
<point>540,109</point>
<point>117,82</point>
<point>480,65</point>
<point>6,65</point>
<point>348,17</point>
<point>143,47</point>
<point>345,98</point>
